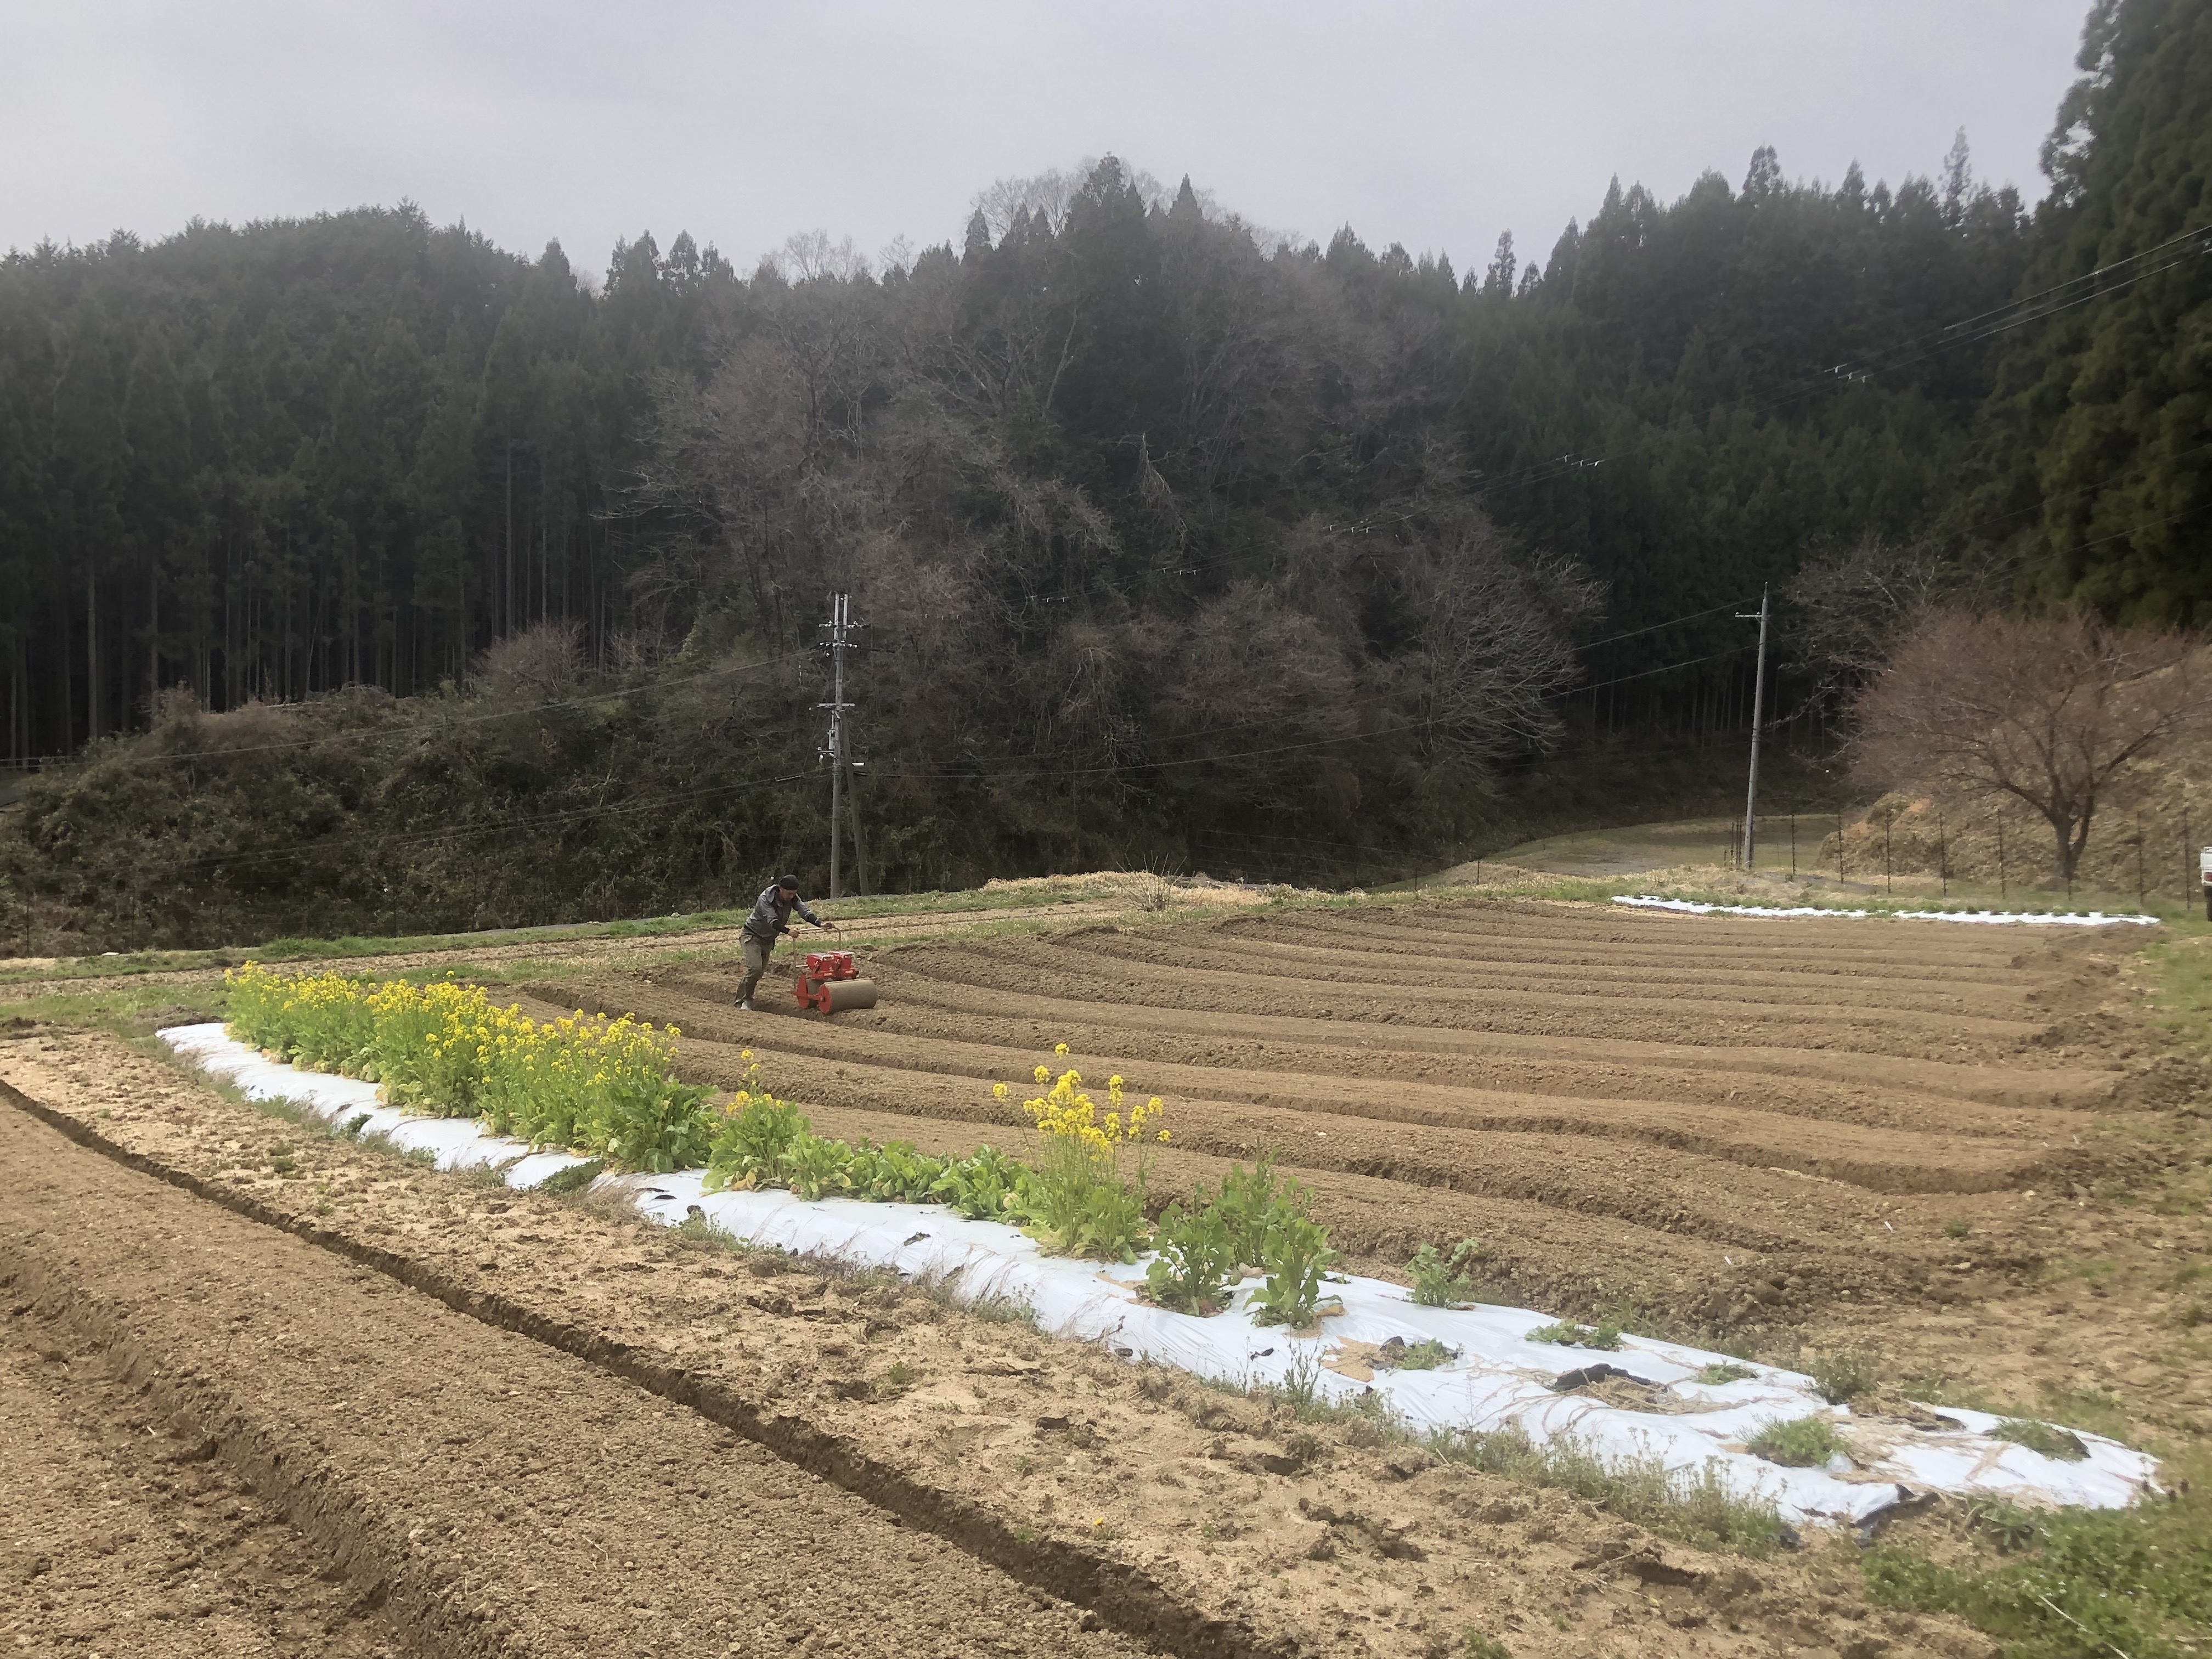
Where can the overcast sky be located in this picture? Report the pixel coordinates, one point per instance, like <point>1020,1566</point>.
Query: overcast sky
<point>1436,124</point>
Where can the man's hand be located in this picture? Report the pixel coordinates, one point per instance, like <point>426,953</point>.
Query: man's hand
<point>827,927</point>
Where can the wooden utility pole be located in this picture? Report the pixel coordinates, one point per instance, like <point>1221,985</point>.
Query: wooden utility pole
<point>1758,719</point>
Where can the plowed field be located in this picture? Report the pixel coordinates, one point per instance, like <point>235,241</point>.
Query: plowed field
<point>1714,1117</point>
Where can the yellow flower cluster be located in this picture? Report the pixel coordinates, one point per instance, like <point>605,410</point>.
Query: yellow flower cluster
<point>1067,1109</point>
<point>600,1085</point>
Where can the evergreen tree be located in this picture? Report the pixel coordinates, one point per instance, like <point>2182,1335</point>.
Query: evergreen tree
<point>2097,432</point>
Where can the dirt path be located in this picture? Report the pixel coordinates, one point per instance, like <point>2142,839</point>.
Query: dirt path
<point>493,1495</point>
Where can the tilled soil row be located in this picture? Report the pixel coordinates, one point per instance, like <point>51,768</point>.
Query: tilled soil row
<point>433,1452</point>
<point>124,1537</point>
<point>2015,1149</point>
<point>1803,944</point>
<point>944,1023</point>
<point>1956,1070</point>
<point>1045,970</point>
<point>506,1487</point>
<point>1364,960</point>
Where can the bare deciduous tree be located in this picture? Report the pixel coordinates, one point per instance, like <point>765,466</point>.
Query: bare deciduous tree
<point>1854,603</point>
<point>2043,710</point>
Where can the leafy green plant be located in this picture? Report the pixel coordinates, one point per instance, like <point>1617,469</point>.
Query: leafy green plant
<point>1441,1281</point>
<point>815,1168</point>
<point>1249,1201</point>
<point>1084,1194</point>
<point>1423,1356</point>
<point>1798,1442</point>
<point>978,1185</point>
<point>1197,1260</point>
<point>1294,1253</point>
<point>1955,1228</point>
<point>1069,1213</point>
<point>749,1146</point>
<point>894,1173</point>
<point>656,1123</point>
<point>1473,1644</point>
<point>1568,1334</point>
<point>2038,1436</point>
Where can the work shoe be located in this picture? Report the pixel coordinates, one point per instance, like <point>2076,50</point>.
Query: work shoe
<point>745,1005</point>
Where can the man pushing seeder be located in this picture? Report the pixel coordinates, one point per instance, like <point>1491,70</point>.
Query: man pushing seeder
<point>830,981</point>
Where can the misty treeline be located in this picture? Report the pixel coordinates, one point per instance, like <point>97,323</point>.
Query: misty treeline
<point>1176,538</point>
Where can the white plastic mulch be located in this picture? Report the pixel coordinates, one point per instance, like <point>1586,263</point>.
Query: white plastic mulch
<point>2013,918</point>
<point>1498,1377</point>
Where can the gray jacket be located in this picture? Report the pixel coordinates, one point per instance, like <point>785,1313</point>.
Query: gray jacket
<point>771,917</point>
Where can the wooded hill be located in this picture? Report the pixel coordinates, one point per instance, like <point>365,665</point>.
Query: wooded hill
<point>1190,529</point>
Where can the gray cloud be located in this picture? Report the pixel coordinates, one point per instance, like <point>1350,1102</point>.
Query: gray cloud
<point>1434,124</point>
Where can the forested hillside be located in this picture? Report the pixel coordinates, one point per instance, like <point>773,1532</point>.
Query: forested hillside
<point>1168,533</point>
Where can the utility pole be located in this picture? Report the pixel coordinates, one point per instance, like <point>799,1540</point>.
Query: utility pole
<point>835,636</point>
<point>1758,719</point>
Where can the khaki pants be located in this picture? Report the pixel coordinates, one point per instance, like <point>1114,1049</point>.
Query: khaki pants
<point>756,950</point>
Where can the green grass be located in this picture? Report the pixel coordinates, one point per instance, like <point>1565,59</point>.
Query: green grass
<point>2077,1584</point>
<point>1568,1334</point>
<point>1420,1357</point>
<point>1843,1375</point>
<point>1726,1373</point>
<point>127,1010</point>
<point>1693,1507</point>
<point>576,1178</point>
<point>2040,1437</point>
<point>1799,1442</point>
<point>2092,1409</point>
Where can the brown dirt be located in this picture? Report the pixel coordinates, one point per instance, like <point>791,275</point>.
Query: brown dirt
<point>426,1447</point>
<point>1719,1123</point>
<point>122,1538</point>
<point>490,1494</point>
<point>1759,1130</point>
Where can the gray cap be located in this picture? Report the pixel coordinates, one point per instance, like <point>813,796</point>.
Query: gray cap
<point>791,882</point>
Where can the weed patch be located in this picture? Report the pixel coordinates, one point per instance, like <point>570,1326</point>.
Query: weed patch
<point>2073,1583</point>
<point>1798,1442</point>
<point>1568,1334</point>
<point>2040,1437</point>
<point>1696,1507</point>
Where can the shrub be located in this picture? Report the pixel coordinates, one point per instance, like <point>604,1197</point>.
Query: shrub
<point>1440,1281</point>
<point>1800,1442</point>
<point>1568,1334</point>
